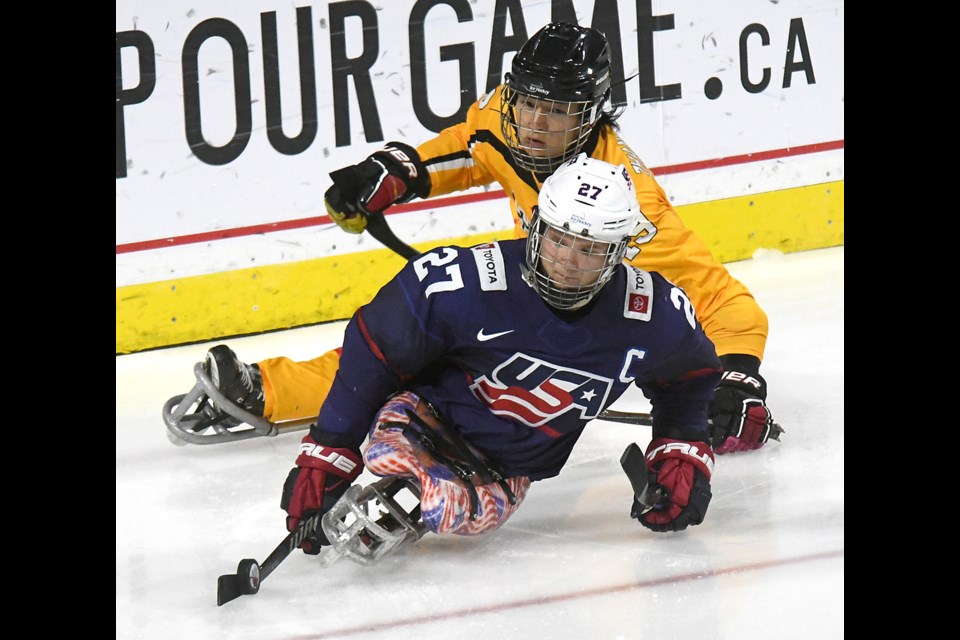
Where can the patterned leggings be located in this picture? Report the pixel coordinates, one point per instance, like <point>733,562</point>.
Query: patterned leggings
<point>444,497</point>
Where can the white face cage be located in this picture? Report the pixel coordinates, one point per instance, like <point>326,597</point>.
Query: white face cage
<point>568,269</point>
<point>586,213</point>
<point>542,133</point>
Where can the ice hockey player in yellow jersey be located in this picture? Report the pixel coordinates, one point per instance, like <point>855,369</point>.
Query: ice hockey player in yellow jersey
<point>553,104</point>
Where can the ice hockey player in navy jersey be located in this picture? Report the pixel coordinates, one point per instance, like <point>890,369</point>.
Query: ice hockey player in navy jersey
<point>475,370</point>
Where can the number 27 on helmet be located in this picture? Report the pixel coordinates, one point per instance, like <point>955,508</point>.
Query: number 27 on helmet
<point>586,214</point>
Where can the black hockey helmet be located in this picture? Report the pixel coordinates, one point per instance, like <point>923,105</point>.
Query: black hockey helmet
<point>553,96</point>
<point>563,62</point>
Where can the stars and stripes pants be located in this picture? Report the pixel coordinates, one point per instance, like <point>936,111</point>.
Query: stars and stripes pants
<point>445,499</point>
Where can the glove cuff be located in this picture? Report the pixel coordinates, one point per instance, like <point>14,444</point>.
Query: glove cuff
<point>341,462</point>
<point>742,362</point>
<point>697,453</point>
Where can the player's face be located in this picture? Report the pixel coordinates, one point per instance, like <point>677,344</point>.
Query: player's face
<point>547,127</point>
<point>572,261</point>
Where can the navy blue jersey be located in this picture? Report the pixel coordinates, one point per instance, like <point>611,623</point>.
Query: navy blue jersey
<point>520,380</point>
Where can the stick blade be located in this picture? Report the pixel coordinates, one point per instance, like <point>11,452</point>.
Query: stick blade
<point>635,466</point>
<point>228,588</point>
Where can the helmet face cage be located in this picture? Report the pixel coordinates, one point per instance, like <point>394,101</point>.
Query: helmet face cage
<point>551,100</point>
<point>586,214</point>
<point>542,133</point>
<point>586,264</point>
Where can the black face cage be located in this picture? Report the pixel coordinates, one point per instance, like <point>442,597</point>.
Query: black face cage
<point>585,116</point>
<point>560,295</point>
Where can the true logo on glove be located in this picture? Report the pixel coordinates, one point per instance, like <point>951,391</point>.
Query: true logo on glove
<point>685,448</point>
<point>333,458</point>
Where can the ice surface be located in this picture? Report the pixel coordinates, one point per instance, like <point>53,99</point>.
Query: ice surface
<point>767,562</point>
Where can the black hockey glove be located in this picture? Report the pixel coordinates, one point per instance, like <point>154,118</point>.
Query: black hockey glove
<point>321,476</point>
<point>739,417</point>
<point>389,176</point>
<point>681,470</point>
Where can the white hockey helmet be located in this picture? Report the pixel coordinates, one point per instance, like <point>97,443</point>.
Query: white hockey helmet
<point>586,214</point>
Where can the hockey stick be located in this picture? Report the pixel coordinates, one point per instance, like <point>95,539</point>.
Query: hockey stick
<point>381,231</point>
<point>626,417</point>
<point>250,573</point>
<point>302,424</point>
<point>350,530</point>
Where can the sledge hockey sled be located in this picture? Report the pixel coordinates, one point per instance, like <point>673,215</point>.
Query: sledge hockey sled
<point>186,422</point>
<point>364,525</point>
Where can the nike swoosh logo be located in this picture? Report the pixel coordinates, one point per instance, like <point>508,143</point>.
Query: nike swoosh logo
<point>483,337</point>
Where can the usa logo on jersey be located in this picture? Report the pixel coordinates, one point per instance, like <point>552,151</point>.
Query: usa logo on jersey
<point>533,391</point>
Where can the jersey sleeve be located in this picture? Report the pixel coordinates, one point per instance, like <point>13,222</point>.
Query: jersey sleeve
<point>449,157</point>
<point>731,316</point>
<point>679,403</point>
<point>681,386</point>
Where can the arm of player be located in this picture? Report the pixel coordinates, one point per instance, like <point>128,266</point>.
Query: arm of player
<point>680,458</point>
<point>450,156</point>
<point>329,456</point>
<point>386,343</point>
<point>731,316</point>
<point>392,338</point>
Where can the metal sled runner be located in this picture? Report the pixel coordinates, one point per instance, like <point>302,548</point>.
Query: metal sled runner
<point>185,426</point>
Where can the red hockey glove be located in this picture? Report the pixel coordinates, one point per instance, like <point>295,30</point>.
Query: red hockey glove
<point>682,470</point>
<point>739,417</point>
<point>321,476</point>
<point>392,175</point>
